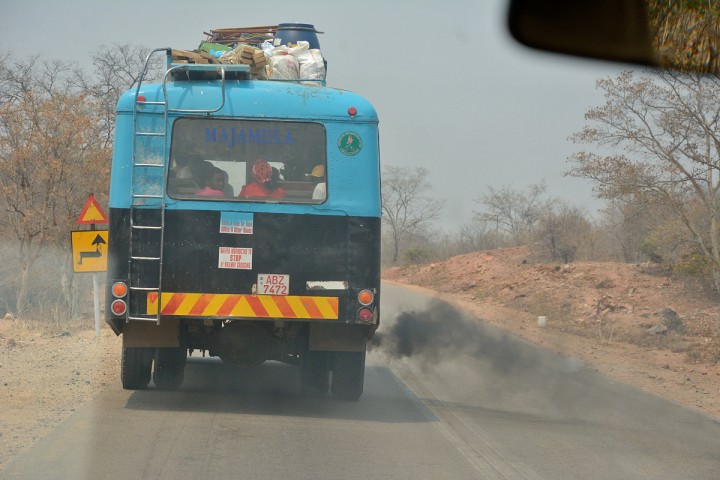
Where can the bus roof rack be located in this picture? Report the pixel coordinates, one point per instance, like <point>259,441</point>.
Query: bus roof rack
<point>208,71</point>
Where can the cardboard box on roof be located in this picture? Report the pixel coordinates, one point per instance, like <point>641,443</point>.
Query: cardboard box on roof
<point>186,56</point>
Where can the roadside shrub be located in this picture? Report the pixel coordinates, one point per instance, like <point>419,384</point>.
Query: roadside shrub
<point>417,254</point>
<point>697,267</point>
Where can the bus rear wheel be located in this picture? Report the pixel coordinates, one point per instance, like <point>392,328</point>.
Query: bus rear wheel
<point>136,367</point>
<point>169,368</point>
<point>348,375</point>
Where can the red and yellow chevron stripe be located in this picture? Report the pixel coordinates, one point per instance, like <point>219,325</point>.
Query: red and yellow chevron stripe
<point>227,305</point>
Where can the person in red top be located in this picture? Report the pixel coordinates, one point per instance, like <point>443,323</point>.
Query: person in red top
<point>265,184</point>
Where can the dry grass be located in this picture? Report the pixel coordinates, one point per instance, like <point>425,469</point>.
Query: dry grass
<point>46,322</point>
<point>605,332</point>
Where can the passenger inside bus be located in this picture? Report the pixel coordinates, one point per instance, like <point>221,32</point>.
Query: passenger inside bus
<point>182,168</point>
<point>265,182</point>
<point>318,177</point>
<point>213,181</point>
<point>228,189</point>
<point>290,180</point>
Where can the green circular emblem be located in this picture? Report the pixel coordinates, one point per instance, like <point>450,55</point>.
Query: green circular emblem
<point>349,143</point>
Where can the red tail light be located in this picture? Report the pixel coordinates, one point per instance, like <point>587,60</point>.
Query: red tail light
<point>118,307</point>
<point>365,314</point>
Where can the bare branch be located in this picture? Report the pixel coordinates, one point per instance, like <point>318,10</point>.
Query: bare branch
<point>656,140</point>
<point>405,202</point>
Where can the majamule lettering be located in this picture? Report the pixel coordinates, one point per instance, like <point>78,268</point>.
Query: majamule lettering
<point>234,136</point>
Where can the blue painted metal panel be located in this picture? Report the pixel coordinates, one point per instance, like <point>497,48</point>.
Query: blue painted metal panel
<point>259,99</point>
<point>353,180</point>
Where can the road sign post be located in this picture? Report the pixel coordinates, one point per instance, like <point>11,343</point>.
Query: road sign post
<point>89,249</point>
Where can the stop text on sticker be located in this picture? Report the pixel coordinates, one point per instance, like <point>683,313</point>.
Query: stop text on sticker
<point>235,258</point>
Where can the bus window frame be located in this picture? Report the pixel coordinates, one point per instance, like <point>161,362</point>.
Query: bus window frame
<point>174,194</point>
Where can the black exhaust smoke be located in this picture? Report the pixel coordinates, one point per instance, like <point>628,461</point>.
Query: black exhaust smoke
<point>441,333</point>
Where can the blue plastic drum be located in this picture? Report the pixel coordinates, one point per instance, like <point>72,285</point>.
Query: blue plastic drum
<point>294,32</point>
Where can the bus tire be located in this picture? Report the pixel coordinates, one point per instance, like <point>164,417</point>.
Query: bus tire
<point>136,367</point>
<point>348,375</point>
<point>315,373</point>
<point>169,368</point>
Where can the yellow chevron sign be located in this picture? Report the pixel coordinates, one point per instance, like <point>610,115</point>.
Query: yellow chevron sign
<point>229,305</point>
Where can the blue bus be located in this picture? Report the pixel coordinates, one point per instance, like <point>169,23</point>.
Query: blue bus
<point>244,224</point>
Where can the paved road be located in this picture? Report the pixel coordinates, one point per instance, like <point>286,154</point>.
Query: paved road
<point>473,403</point>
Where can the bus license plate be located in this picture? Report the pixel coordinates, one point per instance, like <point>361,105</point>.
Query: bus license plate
<point>273,284</point>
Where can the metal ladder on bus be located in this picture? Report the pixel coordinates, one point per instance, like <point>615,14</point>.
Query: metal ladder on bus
<point>148,175</point>
<point>147,207</point>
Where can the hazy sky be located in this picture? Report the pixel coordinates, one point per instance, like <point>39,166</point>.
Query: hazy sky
<point>453,91</point>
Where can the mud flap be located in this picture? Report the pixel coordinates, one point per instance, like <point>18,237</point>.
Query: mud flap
<point>335,337</point>
<point>149,334</point>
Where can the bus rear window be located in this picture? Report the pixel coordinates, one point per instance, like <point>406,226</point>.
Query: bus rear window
<point>247,160</point>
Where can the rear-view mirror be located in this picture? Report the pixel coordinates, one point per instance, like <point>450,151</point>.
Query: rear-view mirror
<point>683,35</point>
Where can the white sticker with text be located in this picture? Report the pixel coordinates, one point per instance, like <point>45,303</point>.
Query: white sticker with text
<point>238,223</point>
<point>234,257</point>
